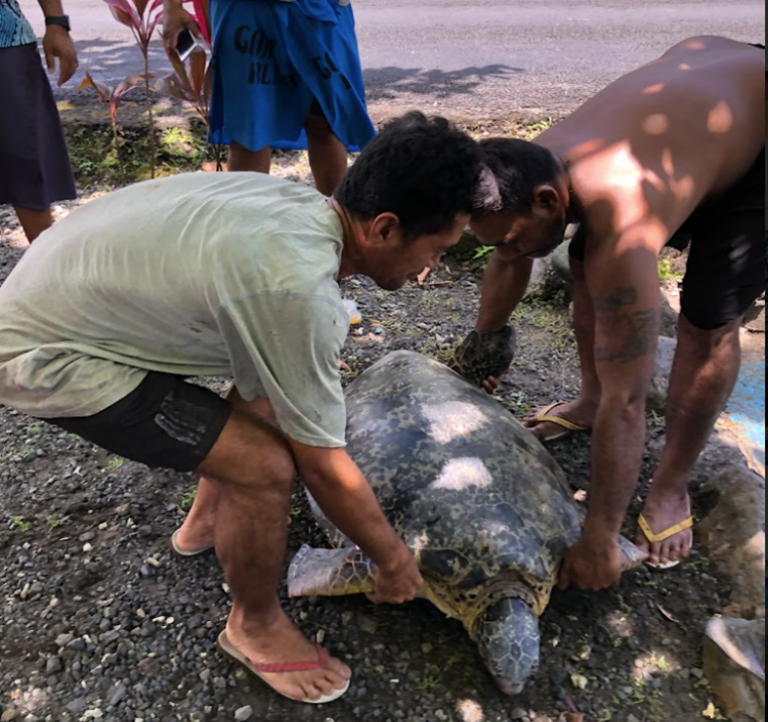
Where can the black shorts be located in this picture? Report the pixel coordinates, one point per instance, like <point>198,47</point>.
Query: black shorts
<point>166,423</point>
<point>726,266</point>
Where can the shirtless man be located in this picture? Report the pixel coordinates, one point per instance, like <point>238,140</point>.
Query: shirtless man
<point>671,152</point>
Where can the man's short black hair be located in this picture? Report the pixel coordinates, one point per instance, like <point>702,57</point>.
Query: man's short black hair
<point>520,167</point>
<point>424,170</point>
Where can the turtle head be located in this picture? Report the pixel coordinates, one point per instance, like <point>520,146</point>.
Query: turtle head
<point>507,635</point>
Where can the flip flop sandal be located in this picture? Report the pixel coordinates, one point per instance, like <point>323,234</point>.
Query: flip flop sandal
<point>546,416</point>
<point>259,670</point>
<point>180,551</point>
<point>654,538</point>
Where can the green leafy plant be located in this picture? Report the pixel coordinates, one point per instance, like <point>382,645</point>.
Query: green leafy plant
<point>116,463</point>
<point>21,524</point>
<point>188,497</point>
<point>192,82</point>
<point>142,18</point>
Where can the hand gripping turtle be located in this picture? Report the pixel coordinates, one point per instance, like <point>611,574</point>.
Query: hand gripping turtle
<point>484,507</point>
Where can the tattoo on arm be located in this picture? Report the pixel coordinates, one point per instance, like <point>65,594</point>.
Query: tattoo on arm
<point>624,335</point>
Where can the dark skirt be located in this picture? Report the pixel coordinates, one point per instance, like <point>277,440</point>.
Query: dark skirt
<point>34,164</point>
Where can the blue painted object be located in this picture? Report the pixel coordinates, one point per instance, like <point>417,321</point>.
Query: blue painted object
<point>746,410</point>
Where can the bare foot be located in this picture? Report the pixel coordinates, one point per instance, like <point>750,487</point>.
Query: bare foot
<point>281,643</point>
<point>664,510</point>
<point>193,539</point>
<point>581,413</point>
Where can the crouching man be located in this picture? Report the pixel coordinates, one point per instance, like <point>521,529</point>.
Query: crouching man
<point>108,315</point>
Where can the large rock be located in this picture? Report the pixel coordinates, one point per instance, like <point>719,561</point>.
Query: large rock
<point>734,663</point>
<point>734,534</point>
<point>561,263</point>
<point>553,273</point>
<point>545,281</point>
<point>665,358</point>
<point>670,319</point>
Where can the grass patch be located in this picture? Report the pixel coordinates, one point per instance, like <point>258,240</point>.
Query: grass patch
<point>99,159</point>
<point>667,272</point>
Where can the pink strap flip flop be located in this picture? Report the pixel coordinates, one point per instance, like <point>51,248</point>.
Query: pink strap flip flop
<point>259,670</point>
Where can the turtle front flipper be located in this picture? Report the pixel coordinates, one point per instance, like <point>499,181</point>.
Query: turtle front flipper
<point>486,354</point>
<point>330,573</point>
<point>507,635</point>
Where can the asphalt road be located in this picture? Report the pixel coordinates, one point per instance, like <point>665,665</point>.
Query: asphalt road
<point>476,59</point>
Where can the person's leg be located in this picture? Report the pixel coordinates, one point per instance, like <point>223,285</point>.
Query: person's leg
<point>34,222</point>
<point>327,154</point>
<point>723,279</point>
<point>197,531</point>
<point>242,159</point>
<point>703,377</point>
<point>167,423</point>
<point>253,467</point>
<point>582,411</point>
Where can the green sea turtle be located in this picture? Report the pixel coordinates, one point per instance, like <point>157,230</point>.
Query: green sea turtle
<point>484,507</point>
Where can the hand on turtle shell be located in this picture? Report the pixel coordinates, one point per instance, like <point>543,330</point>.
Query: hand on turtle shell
<point>592,565</point>
<point>399,584</point>
<point>484,356</point>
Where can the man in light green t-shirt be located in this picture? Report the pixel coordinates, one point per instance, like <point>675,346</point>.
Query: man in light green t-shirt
<point>200,275</point>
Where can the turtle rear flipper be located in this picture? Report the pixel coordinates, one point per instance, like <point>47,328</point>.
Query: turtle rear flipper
<point>330,573</point>
<point>632,557</point>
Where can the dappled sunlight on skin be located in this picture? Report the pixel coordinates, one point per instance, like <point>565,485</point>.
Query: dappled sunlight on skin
<point>461,474</point>
<point>654,89</point>
<point>656,124</point>
<point>720,119</point>
<point>453,420</point>
<point>662,142</point>
<point>589,148</point>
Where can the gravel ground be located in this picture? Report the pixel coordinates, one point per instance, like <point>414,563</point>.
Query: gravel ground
<point>100,622</point>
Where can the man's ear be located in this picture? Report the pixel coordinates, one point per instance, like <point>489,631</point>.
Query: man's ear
<point>547,198</point>
<point>384,228</point>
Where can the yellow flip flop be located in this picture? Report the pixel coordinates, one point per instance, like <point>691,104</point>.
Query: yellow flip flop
<point>546,416</point>
<point>654,538</point>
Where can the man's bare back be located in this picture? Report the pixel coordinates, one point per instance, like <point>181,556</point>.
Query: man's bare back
<point>671,153</point>
<point>667,138</point>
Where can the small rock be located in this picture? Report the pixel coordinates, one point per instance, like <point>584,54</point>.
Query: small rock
<point>64,640</point>
<point>519,714</point>
<point>53,665</point>
<point>243,714</point>
<point>8,715</point>
<point>76,706</point>
<point>118,695</point>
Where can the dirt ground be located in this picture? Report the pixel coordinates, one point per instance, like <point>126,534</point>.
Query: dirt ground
<point>100,621</point>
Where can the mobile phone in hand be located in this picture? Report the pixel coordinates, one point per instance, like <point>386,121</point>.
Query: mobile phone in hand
<point>185,44</point>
